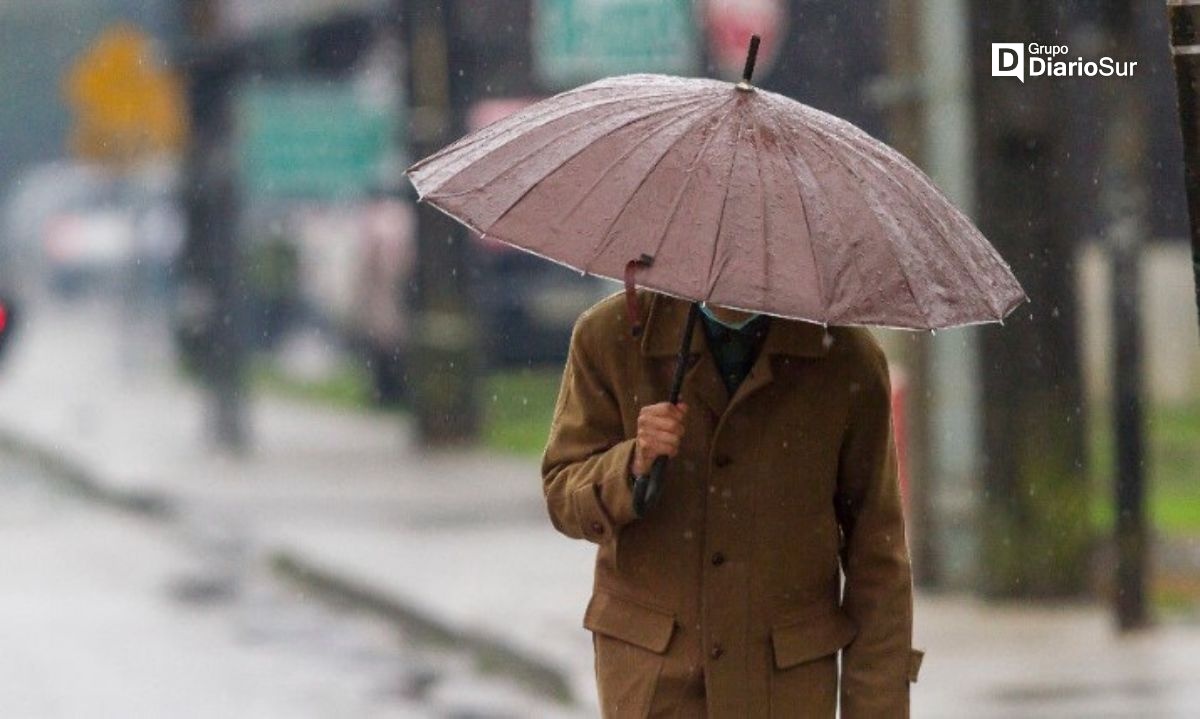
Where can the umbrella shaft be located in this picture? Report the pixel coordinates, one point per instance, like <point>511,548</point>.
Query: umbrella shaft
<point>681,360</point>
<point>646,489</point>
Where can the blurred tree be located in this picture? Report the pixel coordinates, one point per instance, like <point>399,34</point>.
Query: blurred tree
<point>1036,538</point>
<point>445,361</point>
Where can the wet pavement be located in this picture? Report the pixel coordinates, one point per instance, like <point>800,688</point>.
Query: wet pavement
<point>104,613</point>
<point>110,613</point>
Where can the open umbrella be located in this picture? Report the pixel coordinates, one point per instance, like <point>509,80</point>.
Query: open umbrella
<point>723,193</point>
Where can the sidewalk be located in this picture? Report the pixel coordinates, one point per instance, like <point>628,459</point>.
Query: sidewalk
<point>459,546</point>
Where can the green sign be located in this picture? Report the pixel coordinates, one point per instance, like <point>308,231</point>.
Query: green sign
<point>313,140</point>
<point>577,41</point>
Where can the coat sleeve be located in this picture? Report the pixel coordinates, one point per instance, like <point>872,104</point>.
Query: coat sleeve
<point>585,465</point>
<point>879,664</point>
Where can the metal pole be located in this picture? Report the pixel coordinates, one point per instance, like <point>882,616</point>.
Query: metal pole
<point>1183,16</point>
<point>1125,204</point>
<point>212,209</point>
<point>903,95</point>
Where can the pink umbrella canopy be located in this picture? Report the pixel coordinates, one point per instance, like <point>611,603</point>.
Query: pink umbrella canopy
<point>742,198</point>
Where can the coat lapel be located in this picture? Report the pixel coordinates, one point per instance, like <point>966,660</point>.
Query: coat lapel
<point>664,330</point>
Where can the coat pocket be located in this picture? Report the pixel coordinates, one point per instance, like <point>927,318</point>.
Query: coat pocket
<point>811,636</point>
<point>805,680</point>
<point>638,624</point>
<point>630,641</point>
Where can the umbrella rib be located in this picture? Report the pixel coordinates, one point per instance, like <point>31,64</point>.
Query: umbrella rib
<point>534,184</point>
<point>604,174</point>
<point>471,140</point>
<point>606,237</point>
<point>709,281</point>
<point>940,229</point>
<point>762,199</point>
<point>804,207</point>
<point>678,199</point>
<point>535,150</point>
<point>918,202</point>
<point>537,112</point>
<point>819,141</point>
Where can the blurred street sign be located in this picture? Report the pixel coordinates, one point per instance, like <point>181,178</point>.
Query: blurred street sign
<point>128,104</point>
<point>239,18</point>
<point>730,23</point>
<point>577,41</point>
<point>313,140</point>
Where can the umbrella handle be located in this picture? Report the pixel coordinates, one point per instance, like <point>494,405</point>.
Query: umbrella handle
<point>647,487</point>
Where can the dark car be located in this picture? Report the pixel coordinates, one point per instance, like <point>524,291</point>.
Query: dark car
<point>528,306</point>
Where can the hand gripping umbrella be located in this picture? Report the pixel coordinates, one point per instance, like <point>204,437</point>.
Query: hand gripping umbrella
<point>723,193</point>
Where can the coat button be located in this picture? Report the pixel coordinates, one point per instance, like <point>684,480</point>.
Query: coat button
<point>718,559</point>
<point>722,460</point>
<point>597,528</point>
<point>716,651</point>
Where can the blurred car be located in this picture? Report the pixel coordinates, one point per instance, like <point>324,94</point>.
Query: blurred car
<point>79,228</point>
<point>527,306</point>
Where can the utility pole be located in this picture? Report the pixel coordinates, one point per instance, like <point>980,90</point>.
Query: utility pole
<point>929,102</point>
<point>1035,523</point>
<point>1183,19</point>
<point>212,294</point>
<point>1124,195</point>
<point>445,353</point>
<point>954,368</point>
<point>903,96</point>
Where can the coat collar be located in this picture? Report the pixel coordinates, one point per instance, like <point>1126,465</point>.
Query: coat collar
<point>667,316</point>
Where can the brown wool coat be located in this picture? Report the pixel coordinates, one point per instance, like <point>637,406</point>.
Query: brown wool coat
<point>777,493</point>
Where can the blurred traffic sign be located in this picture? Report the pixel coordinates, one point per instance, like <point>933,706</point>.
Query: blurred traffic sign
<point>242,18</point>
<point>730,23</point>
<point>313,140</point>
<point>576,41</point>
<point>128,104</point>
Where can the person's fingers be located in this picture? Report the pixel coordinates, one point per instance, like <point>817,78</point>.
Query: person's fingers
<point>660,441</point>
<point>662,409</point>
<point>651,435</point>
<point>666,424</point>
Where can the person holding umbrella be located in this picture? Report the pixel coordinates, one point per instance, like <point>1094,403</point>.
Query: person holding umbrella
<point>749,528</point>
<point>725,599</point>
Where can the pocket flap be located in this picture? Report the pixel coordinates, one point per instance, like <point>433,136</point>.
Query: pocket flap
<point>812,636</point>
<point>629,621</point>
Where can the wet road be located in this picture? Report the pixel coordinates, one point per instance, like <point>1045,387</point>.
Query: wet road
<point>107,614</point>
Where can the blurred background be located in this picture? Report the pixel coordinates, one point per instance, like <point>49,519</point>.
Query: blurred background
<point>269,432</point>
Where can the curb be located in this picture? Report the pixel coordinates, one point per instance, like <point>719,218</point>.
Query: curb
<point>493,656</point>
<point>71,474</point>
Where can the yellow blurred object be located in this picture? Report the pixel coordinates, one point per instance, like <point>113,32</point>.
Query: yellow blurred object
<point>129,106</point>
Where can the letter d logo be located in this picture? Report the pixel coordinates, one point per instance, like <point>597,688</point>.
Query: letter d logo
<point>1008,60</point>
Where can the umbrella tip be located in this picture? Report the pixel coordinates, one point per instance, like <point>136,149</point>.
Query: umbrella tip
<point>751,58</point>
